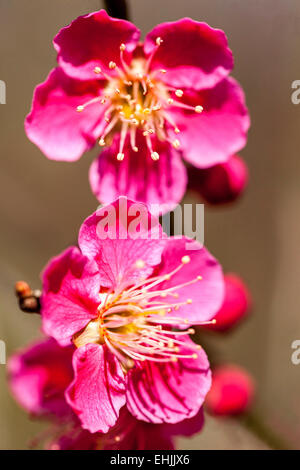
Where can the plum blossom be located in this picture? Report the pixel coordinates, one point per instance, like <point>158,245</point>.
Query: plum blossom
<point>150,103</point>
<point>39,376</point>
<point>127,305</point>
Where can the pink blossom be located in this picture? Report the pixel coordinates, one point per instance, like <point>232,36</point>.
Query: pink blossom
<point>127,302</point>
<point>38,377</point>
<point>221,183</point>
<point>232,391</point>
<point>236,305</point>
<point>152,103</point>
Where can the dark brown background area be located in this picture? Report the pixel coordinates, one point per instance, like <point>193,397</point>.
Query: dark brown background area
<point>43,203</point>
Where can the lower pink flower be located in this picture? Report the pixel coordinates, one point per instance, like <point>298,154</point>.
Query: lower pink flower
<point>126,301</point>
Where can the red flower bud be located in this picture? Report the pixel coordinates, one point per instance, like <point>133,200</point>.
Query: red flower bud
<point>232,391</point>
<point>236,305</point>
<point>221,183</point>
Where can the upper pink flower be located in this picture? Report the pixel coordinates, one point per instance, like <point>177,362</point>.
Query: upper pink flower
<point>39,376</point>
<point>118,298</point>
<point>148,100</point>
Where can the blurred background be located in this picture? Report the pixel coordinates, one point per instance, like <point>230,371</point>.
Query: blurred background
<point>44,202</point>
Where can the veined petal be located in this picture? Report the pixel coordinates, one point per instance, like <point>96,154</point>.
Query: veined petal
<point>98,390</point>
<point>168,392</point>
<point>70,297</point>
<point>54,124</point>
<point>94,40</point>
<point>204,296</point>
<point>160,183</point>
<point>119,235</point>
<point>220,130</point>
<point>193,54</point>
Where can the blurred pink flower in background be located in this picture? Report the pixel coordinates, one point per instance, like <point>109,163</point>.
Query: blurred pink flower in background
<point>232,391</point>
<point>39,376</point>
<point>222,183</point>
<point>153,102</point>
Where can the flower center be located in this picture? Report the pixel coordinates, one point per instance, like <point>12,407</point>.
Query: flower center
<point>138,99</point>
<point>136,324</point>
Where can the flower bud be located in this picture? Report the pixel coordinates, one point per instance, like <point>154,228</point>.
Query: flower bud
<point>221,183</point>
<point>232,391</point>
<point>236,305</point>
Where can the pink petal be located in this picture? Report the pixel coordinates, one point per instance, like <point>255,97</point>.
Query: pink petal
<point>168,392</point>
<point>219,131</point>
<point>93,40</point>
<point>193,54</point>
<point>206,295</point>
<point>39,375</point>
<point>70,295</point>
<point>187,427</point>
<point>54,124</point>
<point>116,254</point>
<point>138,177</point>
<point>98,390</point>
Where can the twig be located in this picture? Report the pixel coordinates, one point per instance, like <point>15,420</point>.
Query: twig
<point>117,8</point>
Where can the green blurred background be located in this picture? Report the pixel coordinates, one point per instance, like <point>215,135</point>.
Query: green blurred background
<point>43,202</point>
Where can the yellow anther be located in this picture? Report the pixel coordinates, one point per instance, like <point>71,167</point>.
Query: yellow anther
<point>198,109</point>
<point>170,101</point>
<point>97,70</point>
<point>101,142</point>
<point>154,156</point>
<point>176,144</point>
<point>189,301</point>
<point>158,41</point>
<point>199,278</point>
<point>140,264</point>
<point>179,93</point>
<point>122,47</point>
<point>195,356</point>
<point>80,108</point>
<point>112,65</point>
<point>176,130</point>
<point>185,259</point>
<point>120,156</point>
